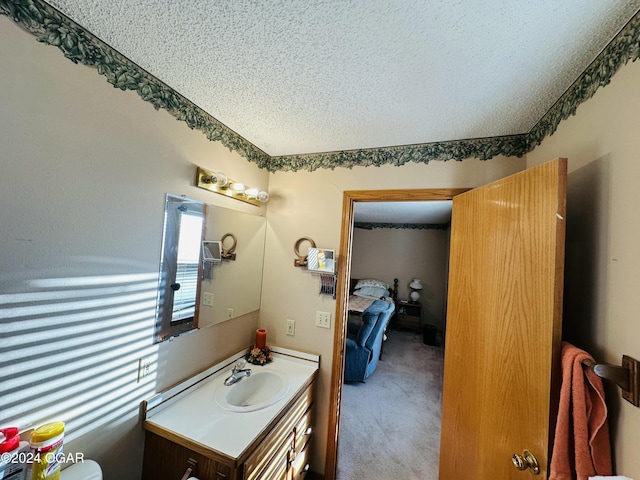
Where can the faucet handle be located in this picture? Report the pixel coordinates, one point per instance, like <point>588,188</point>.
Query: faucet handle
<point>240,364</point>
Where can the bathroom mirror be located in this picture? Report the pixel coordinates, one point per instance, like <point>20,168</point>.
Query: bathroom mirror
<point>232,289</point>
<point>234,286</point>
<point>184,221</point>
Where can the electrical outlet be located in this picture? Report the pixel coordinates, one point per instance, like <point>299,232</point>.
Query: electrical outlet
<point>230,313</point>
<point>323,319</point>
<point>291,327</point>
<point>207,299</point>
<point>146,366</point>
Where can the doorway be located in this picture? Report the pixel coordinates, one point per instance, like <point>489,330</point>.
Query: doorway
<point>350,198</point>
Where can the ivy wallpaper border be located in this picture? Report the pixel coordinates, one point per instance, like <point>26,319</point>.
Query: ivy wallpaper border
<point>403,226</point>
<point>624,47</point>
<point>51,27</point>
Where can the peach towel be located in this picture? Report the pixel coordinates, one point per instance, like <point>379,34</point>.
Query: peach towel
<point>581,446</point>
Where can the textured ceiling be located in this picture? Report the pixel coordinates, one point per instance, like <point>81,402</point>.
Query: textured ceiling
<point>305,76</point>
<point>432,212</point>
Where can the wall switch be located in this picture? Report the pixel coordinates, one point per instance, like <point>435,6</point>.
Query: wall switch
<point>207,299</point>
<point>146,366</point>
<point>230,313</point>
<point>291,327</point>
<point>323,319</point>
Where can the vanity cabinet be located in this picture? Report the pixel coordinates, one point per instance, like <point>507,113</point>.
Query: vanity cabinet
<point>279,452</point>
<point>283,453</point>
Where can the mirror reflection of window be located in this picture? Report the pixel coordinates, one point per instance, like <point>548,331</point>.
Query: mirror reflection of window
<point>189,238</point>
<point>179,267</point>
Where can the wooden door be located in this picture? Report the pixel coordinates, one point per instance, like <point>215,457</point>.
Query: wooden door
<point>502,361</point>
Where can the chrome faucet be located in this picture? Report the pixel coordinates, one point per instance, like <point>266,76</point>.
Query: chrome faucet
<point>238,373</point>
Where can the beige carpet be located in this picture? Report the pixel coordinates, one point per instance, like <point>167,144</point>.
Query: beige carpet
<point>390,425</point>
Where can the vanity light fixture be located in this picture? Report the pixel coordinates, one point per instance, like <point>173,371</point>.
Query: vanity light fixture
<point>218,182</point>
<point>261,196</point>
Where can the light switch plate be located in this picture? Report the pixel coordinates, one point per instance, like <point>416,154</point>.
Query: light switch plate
<point>207,299</point>
<point>323,319</point>
<point>291,327</point>
<point>146,366</point>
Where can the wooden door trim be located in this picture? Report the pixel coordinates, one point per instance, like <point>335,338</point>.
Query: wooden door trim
<point>349,198</point>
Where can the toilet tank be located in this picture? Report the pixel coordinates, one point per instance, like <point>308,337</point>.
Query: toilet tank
<point>87,470</point>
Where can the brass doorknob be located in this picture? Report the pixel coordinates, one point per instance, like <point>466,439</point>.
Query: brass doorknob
<point>526,461</point>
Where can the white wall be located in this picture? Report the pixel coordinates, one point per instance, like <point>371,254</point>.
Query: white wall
<point>388,253</point>
<point>84,169</point>
<point>603,236</point>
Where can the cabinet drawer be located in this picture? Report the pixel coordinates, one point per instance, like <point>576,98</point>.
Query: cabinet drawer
<point>270,448</point>
<point>304,430</point>
<point>300,464</point>
<point>278,466</point>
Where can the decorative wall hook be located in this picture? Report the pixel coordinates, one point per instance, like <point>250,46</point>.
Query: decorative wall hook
<point>301,261</point>
<point>228,253</point>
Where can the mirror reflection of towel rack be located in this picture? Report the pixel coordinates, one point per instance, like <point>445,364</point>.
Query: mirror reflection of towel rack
<point>627,376</point>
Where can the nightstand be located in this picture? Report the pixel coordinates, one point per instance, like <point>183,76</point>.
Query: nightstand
<point>409,316</point>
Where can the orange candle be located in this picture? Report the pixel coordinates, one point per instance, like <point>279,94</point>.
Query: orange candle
<point>261,338</point>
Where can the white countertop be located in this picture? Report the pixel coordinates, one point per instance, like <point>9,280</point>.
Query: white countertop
<point>196,415</point>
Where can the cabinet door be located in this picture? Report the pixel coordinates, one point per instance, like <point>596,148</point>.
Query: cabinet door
<point>502,361</point>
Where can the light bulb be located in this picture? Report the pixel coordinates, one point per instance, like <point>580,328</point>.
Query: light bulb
<point>263,197</point>
<point>220,179</point>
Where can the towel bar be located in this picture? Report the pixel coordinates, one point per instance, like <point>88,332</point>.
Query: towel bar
<point>627,376</point>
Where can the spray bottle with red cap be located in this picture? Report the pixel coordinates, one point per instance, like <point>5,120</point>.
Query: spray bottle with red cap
<point>13,455</point>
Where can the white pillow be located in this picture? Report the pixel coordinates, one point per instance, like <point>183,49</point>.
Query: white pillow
<point>371,282</point>
<point>372,292</point>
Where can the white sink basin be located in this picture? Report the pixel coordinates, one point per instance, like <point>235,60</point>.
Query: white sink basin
<point>260,390</point>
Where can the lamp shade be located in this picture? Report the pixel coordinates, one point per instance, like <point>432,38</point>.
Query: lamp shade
<point>415,284</point>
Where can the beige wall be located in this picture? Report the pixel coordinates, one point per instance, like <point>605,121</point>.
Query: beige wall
<point>309,204</point>
<point>84,169</point>
<point>603,236</point>
<point>388,253</point>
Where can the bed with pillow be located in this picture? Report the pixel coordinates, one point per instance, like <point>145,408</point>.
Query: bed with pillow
<point>364,291</point>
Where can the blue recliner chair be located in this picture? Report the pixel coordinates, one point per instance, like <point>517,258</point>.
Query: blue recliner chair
<point>364,345</point>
